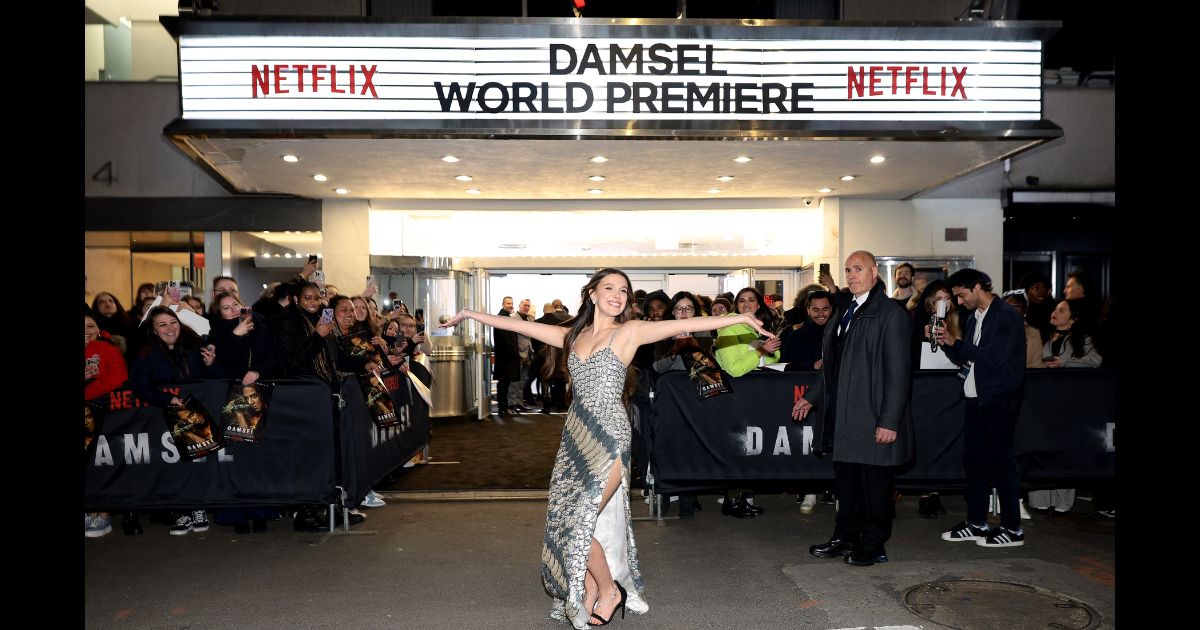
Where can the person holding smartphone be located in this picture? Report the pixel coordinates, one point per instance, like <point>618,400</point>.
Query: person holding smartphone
<point>304,341</point>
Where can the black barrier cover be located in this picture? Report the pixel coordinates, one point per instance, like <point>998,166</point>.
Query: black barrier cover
<point>369,452</point>
<point>134,464</point>
<point>1064,430</point>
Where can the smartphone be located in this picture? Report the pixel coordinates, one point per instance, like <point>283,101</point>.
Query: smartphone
<point>203,341</point>
<point>173,290</point>
<point>371,280</point>
<point>326,316</point>
<point>823,268</point>
<point>318,276</point>
<point>185,291</point>
<point>421,328</point>
<point>246,311</point>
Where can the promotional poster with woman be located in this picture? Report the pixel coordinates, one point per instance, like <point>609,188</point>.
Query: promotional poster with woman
<point>243,418</point>
<point>192,429</point>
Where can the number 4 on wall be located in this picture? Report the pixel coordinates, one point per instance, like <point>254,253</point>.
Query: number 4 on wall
<point>105,174</point>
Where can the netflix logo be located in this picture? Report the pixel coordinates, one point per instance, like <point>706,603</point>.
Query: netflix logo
<point>889,80</point>
<point>312,78</point>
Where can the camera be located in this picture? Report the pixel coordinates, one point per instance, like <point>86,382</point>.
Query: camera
<point>245,310</point>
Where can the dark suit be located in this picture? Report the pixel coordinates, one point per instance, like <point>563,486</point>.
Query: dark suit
<point>865,383</point>
<point>991,416</point>
<point>508,362</point>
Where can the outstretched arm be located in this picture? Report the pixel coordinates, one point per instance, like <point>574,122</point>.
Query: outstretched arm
<point>649,332</point>
<point>545,333</point>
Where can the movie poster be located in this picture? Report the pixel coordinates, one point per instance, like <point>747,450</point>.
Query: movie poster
<point>379,401</point>
<point>244,416</point>
<point>192,429</point>
<point>705,374</point>
<point>93,416</point>
<point>359,345</point>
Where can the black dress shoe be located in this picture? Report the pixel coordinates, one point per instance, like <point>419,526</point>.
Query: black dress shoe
<point>308,520</point>
<point>925,508</point>
<point>741,509</point>
<point>130,524</point>
<point>832,548</point>
<point>866,558</point>
<point>748,504</point>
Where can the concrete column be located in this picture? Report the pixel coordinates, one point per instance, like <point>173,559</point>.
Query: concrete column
<point>345,242</point>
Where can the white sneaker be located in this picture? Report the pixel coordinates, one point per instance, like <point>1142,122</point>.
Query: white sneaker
<point>372,500</point>
<point>809,503</point>
<point>98,525</point>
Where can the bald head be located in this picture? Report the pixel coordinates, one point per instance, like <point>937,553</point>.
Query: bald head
<point>862,272</point>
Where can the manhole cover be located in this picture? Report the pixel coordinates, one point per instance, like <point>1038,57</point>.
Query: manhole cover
<point>1090,523</point>
<point>978,604</point>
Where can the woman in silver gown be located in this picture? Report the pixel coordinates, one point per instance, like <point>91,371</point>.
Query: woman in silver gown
<point>589,559</point>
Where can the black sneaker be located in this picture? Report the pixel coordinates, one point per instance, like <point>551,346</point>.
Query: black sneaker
<point>1002,537</point>
<point>965,531</point>
<point>199,521</point>
<point>183,525</point>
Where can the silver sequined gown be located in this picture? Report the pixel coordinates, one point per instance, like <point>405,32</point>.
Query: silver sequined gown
<point>596,434</point>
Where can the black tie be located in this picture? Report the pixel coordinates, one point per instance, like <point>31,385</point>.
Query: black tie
<point>848,315</point>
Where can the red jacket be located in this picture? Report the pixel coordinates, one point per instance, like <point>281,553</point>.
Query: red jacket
<point>112,369</point>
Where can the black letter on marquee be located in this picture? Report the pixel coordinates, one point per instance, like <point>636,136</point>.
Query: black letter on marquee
<point>554,50</point>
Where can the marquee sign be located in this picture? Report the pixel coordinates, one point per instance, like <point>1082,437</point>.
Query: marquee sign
<point>457,78</point>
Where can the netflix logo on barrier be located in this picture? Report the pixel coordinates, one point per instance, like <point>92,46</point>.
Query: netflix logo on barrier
<point>301,75</point>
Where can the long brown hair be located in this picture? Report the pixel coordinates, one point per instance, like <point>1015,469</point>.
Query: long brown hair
<point>586,317</point>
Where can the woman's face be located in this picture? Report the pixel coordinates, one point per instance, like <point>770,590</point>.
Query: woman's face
<point>106,305</point>
<point>718,308</point>
<point>230,308</point>
<point>310,300</point>
<point>408,327</point>
<point>684,309</point>
<point>402,309</point>
<point>1061,316</point>
<point>360,310</point>
<point>747,303</point>
<point>611,295</point>
<point>91,331</point>
<point>167,328</point>
<point>195,304</point>
<point>392,329</point>
<point>343,314</point>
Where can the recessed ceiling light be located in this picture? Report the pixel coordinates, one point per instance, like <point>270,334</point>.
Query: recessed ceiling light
<point>595,191</point>
<point>291,158</point>
<point>597,178</point>
<point>741,159</point>
<point>341,191</point>
<point>287,255</point>
<point>320,178</point>
<point>848,178</point>
<point>713,191</point>
<point>878,159</point>
<point>825,190</point>
<point>599,159</point>
<point>463,178</point>
<point>725,178</point>
<point>449,158</point>
<point>473,191</point>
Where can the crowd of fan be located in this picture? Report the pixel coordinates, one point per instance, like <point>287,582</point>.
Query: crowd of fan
<point>171,336</point>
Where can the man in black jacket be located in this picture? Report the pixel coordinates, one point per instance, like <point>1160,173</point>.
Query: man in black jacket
<point>864,419</point>
<point>507,369</point>
<point>992,352</point>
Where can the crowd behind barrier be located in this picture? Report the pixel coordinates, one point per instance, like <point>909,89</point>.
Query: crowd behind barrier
<point>1065,431</point>
<point>314,443</point>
